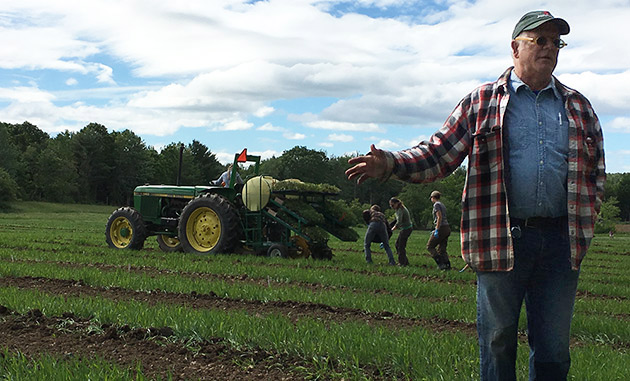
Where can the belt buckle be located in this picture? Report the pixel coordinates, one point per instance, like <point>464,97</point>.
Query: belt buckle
<point>516,231</point>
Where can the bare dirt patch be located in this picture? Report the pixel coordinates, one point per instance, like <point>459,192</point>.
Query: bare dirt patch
<point>68,336</point>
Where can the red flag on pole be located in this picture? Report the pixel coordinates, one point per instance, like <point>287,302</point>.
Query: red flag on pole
<point>243,156</point>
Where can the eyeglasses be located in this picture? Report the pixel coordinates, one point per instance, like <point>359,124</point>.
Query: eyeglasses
<point>542,41</point>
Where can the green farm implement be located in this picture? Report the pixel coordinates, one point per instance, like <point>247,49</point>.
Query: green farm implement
<point>263,216</point>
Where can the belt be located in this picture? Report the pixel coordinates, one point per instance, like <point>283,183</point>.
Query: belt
<point>539,222</point>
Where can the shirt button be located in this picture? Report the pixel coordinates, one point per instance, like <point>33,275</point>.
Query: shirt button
<point>542,162</point>
<point>540,123</point>
<point>541,142</point>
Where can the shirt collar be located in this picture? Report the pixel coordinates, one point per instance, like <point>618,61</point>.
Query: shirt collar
<point>515,83</point>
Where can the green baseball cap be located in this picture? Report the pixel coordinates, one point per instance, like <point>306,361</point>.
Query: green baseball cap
<point>534,19</point>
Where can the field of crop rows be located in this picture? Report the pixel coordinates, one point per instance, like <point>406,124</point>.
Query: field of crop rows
<point>71,308</point>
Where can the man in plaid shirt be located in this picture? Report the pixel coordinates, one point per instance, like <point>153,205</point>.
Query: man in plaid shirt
<point>534,186</point>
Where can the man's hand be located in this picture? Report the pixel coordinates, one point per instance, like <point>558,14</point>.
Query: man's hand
<point>371,165</point>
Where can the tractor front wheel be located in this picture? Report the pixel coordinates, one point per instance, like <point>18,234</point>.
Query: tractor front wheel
<point>125,229</point>
<point>208,224</point>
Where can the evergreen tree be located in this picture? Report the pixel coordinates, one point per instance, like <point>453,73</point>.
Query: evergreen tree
<point>94,154</point>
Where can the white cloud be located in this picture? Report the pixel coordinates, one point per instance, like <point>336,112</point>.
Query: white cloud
<point>162,68</point>
<point>263,111</point>
<point>621,124</point>
<point>234,125</point>
<point>388,145</point>
<point>607,91</point>
<point>340,138</point>
<point>25,95</point>
<point>270,127</point>
<point>344,126</point>
<point>294,136</point>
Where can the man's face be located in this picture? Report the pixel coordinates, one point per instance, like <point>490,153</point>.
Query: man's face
<point>534,58</point>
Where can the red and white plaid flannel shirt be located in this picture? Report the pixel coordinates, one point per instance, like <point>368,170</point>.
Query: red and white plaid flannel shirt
<point>474,129</point>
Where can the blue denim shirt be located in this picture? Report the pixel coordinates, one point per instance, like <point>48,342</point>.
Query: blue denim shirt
<point>537,137</point>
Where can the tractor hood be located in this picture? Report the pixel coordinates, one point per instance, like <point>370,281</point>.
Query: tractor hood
<point>171,190</point>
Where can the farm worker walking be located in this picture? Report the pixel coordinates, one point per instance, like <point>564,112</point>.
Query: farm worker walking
<point>534,185</point>
<point>404,224</point>
<point>377,231</point>
<point>224,179</point>
<point>439,236</point>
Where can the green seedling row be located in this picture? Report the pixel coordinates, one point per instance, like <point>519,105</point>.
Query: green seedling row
<point>414,352</point>
<point>16,366</point>
<point>587,326</point>
<point>366,301</point>
<point>65,241</point>
<point>346,347</point>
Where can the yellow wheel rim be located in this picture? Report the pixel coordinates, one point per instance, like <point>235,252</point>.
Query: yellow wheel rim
<point>170,241</point>
<point>121,232</point>
<point>203,229</point>
<point>303,251</point>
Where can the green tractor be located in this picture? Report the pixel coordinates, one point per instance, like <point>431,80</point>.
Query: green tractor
<point>247,217</point>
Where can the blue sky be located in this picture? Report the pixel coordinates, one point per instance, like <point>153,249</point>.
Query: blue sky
<point>330,75</point>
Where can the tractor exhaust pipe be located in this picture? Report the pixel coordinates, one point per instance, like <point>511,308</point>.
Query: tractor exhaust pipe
<point>179,170</point>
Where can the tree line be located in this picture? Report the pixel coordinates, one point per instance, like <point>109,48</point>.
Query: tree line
<point>96,166</point>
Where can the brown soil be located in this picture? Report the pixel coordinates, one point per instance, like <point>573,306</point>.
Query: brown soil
<point>292,309</point>
<point>158,353</point>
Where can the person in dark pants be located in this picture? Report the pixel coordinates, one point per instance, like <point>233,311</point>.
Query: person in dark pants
<point>534,185</point>
<point>439,236</point>
<point>404,224</point>
<point>376,232</point>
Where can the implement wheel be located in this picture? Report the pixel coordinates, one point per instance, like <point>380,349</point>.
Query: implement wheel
<point>208,224</point>
<point>169,243</point>
<point>125,229</point>
<point>278,250</point>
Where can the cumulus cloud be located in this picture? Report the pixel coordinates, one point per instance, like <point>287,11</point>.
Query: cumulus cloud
<point>270,127</point>
<point>343,126</point>
<point>621,124</point>
<point>340,138</point>
<point>234,125</point>
<point>294,136</point>
<point>227,66</point>
<point>388,145</point>
<point>263,111</point>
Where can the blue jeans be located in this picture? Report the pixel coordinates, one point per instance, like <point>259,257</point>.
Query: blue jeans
<point>377,229</point>
<point>542,276</point>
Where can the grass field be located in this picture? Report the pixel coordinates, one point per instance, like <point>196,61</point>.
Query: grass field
<point>71,308</point>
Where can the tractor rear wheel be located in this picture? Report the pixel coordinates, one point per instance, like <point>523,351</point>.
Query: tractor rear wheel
<point>209,224</point>
<point>125,229</point>
<point>169,243</point>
